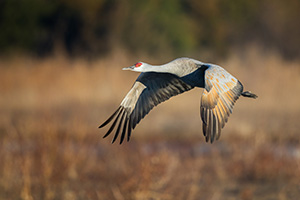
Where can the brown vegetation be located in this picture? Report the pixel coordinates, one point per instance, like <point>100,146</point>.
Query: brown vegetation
<point>50,147</point>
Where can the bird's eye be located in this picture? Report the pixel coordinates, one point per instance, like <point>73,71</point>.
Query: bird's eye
<point>138,64</point>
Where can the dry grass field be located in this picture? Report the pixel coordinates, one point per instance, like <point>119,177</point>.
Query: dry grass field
<point>51,148</point>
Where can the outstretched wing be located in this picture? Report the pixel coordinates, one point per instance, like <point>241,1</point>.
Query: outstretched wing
<point>149,90</point>
<point>220,93</point>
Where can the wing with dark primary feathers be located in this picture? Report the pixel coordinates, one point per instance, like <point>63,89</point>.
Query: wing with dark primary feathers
<point>220,93</point>
<point>149,90</point>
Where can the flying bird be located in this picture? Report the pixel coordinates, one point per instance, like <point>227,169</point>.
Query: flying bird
<point>157,84</point>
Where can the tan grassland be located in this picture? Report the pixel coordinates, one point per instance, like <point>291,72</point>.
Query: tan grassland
<point>51,148</point>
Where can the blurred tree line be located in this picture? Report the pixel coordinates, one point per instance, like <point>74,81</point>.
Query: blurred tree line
<point>96,27</point>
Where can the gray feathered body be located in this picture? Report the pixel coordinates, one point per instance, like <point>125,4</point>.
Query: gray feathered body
<point>157,84</point>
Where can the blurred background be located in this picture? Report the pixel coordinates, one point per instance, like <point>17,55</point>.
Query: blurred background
<point>61,77</point>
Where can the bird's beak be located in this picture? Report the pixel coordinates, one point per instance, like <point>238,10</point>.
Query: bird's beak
<point>128,68</point>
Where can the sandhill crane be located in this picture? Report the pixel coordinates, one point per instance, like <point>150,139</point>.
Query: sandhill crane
<point>157,84</point>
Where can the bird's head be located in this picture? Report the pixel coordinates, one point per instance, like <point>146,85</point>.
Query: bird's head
<point>137,67</point>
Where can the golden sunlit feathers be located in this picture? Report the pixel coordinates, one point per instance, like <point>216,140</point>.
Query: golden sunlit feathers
<point>220,93</point>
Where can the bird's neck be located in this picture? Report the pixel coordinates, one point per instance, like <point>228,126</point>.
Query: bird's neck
<point>166,68</point>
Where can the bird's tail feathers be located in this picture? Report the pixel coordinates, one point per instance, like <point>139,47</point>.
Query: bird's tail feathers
<point>249,94</point>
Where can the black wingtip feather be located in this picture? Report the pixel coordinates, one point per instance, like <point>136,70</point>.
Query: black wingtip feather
<point>119,126</point>
<point>113,125</point>
<point>110,118</point>
<point>218,129</point>
<point>202,111</point>
<point>124,128</point>
<point>214,123</point>
<point>206,138</point>
<point>129,130</point>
